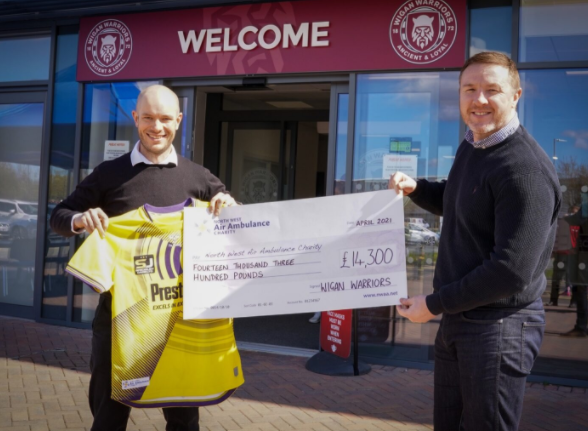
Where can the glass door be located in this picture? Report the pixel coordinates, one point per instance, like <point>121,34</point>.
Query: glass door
<point>260,160</point>
<point>21,136</point>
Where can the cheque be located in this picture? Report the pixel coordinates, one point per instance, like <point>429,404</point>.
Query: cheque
<point>308,255</point>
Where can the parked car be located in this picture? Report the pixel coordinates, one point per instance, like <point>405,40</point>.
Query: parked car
<point>418,236</point>
<point>18,219</point>
<point>424,230</point>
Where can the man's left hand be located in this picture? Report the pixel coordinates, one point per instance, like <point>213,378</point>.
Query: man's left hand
<point>415,309</point>
<point>220,199</point>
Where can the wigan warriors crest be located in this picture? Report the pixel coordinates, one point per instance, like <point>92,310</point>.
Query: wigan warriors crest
<point>108,47</point>
<point>259,185</point>
<point>423,31</point>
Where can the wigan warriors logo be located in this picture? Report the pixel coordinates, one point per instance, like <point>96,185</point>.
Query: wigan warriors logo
<point>423,31</point>
<point>108,47</point>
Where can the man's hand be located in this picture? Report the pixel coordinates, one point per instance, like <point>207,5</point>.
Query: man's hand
<point>92,219</point>
<point>415,309</point>
<point>219,200</point>
<point>402,183</point>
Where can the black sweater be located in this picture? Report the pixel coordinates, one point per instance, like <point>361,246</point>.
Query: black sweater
<point>499,208</point>
<point>117,187</point>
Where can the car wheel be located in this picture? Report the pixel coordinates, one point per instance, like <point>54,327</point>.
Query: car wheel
<point>430,240</point>
<point>19,233</point>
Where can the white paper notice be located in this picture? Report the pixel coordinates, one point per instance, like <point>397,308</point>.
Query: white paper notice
<point>115,149</point>
<point>405,163</point>
<point>331,253</point>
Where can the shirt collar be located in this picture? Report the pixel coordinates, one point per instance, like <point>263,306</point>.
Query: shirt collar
<point>496,137</point>
<point>137,157</point>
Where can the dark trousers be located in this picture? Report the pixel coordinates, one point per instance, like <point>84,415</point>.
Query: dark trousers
<point>110,415</point>
<point>580,295</point>
<point>482,359</point>
<point>558,275</point>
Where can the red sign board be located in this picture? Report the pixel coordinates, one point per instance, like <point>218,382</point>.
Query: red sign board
<point>272,38</point>
<point>336,332</point>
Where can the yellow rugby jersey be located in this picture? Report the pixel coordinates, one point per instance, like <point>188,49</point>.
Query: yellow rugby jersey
<point>158,359</point>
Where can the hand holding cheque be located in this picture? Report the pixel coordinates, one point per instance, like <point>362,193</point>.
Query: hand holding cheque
<point>344,251</point>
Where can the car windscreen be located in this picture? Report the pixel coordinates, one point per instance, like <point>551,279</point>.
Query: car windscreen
<point>30,209</point>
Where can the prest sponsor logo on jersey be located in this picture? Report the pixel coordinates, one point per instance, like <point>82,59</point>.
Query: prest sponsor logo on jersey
<point>423,31</point>
<point>108,47</point>
<point>164,297</point>
<point>144,264</point>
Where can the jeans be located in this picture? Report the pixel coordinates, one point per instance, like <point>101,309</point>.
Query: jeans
<point>482,359</point>
<point>110,415</point>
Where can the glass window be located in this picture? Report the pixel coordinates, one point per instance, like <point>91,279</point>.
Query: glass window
<point>21,135</point>
<point>491,30</point>
<point>553,108</point>
<point>553,30</point>
<point>63,131</point>
<point>408,122</point>
<point>29,58</point>
<point>107,116</point>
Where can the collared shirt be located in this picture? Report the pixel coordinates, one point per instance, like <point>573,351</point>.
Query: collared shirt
<point>496,137</point>
<point>137,157</point>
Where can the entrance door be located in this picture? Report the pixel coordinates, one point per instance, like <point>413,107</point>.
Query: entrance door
<point>269,145</point>
<point>21,136</point>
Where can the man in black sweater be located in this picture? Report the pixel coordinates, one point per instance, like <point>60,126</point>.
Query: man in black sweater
<point>152,173</point>
<point>499,204</point>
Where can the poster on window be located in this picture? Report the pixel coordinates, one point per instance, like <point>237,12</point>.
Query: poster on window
<point>406,163</point>
<point>115,149</point>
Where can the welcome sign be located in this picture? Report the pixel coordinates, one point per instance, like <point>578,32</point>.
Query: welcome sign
<point>273,38</point>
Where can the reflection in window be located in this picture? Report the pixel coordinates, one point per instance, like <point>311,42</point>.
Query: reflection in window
<point>407,122</point>
<point>412,116</point>
<point>107,117</point>
<point>63,132</point>
<point>553,108</point>
<point>21,128</point>
<point>25,58</point>
<point>553,31</point>
<point>490,30</point>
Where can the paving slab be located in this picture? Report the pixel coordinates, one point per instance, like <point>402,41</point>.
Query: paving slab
<point>44,374</point>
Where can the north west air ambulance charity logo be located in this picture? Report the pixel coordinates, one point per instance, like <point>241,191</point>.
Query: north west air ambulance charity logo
<point>423,31</point>
<point>108,47</point>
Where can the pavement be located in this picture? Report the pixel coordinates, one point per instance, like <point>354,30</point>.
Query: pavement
<point>44,386</point>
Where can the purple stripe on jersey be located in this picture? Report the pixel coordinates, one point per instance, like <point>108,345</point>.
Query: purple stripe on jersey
<point>158,264</point>
<point>177,254</point>
<point>130,403</point>
<point>170,209</point>
<point>168,266</point>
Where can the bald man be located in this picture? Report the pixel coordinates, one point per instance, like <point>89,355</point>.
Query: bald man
<point>151,174</point>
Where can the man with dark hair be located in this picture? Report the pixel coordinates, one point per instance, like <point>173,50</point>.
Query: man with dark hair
<point>499,204</point>
<point>151,174</point>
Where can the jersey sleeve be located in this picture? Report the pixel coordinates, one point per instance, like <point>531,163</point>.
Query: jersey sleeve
<point>93,263</point>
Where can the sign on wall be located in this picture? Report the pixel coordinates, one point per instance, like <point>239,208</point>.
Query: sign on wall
<point>272,38</point>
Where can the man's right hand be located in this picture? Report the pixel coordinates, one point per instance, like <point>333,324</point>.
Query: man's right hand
<point>402,183</point>
<point>92,219</point>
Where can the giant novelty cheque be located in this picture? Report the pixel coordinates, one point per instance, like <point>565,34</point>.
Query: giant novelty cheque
<point>308,255</point>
